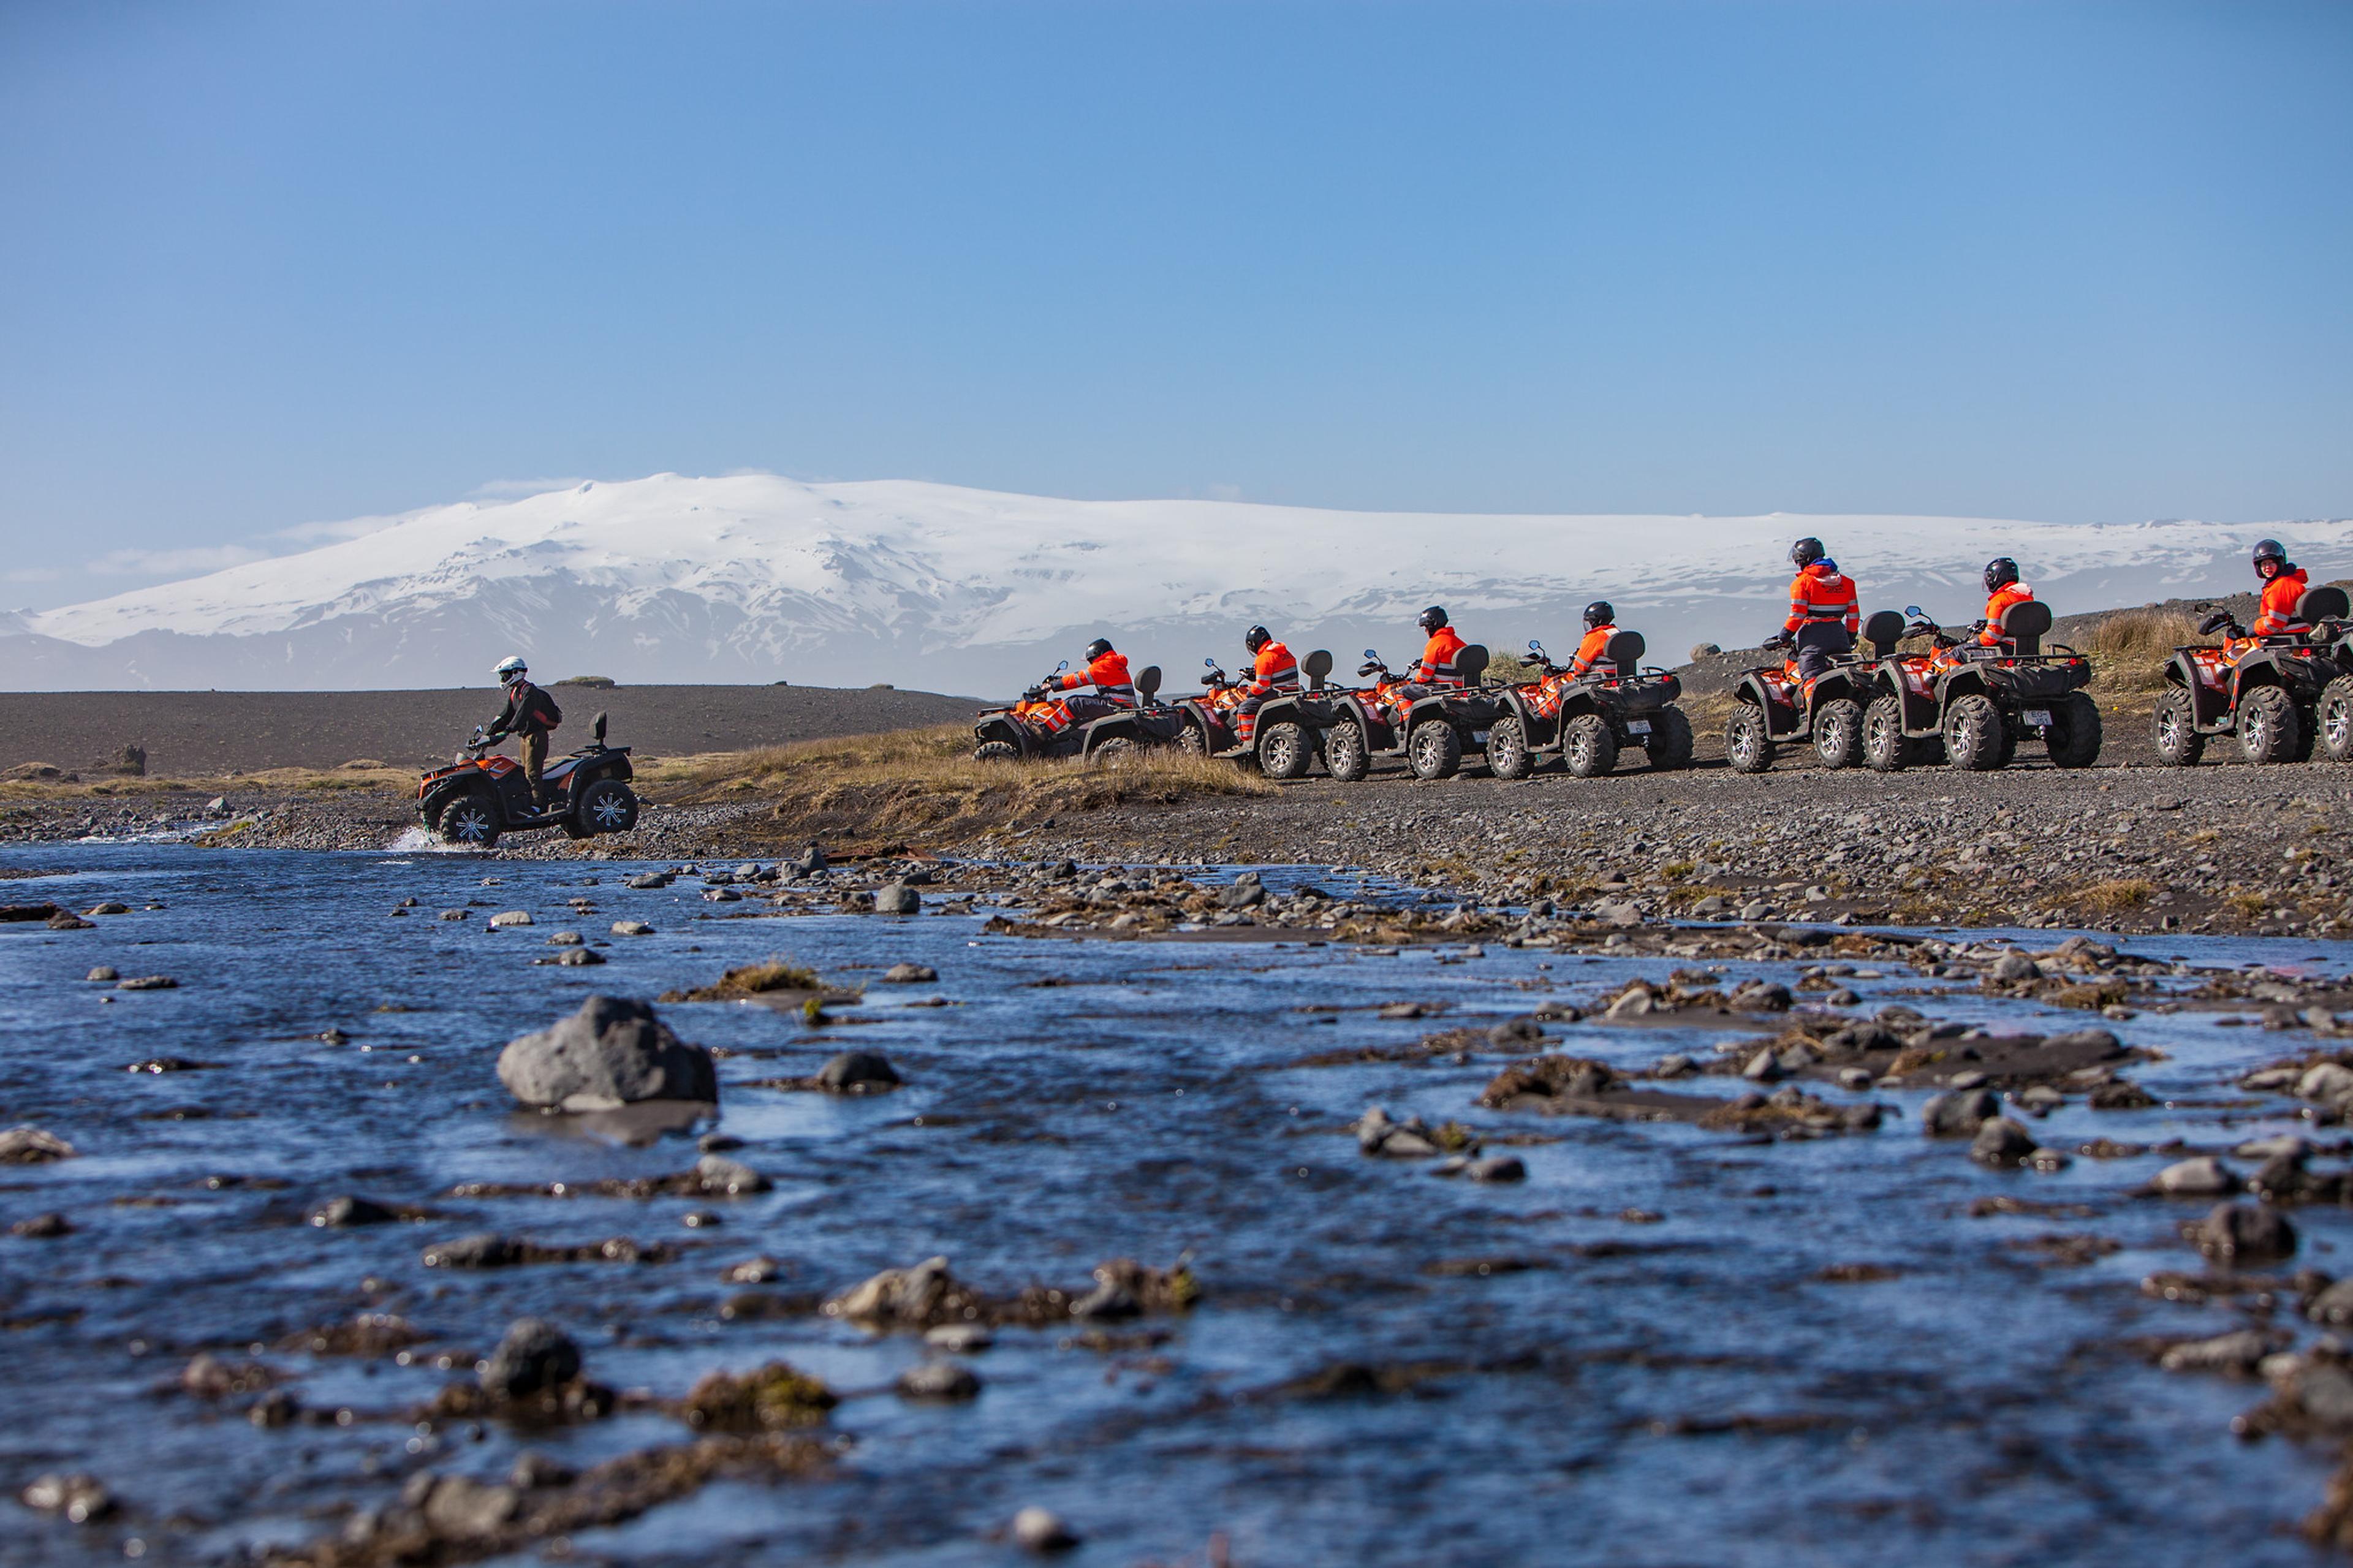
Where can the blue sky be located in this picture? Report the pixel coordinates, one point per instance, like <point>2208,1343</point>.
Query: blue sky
<point>262,266</point>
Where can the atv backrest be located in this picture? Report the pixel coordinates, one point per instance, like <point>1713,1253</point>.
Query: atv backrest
<point>1148,683</point>
<point>596,728</point>
<point>2322,604</point>
<point>1626,650</point>
<point>1317,665</point>
<point>2023,624</point>
<point>1882,631</point>
<point>1472,663</point>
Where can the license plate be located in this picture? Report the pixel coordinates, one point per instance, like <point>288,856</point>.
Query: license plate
<point>2038,715</point>
<point>1638,726</point>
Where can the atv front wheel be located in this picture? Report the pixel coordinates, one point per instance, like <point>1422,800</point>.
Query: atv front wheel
<point>1191,741</point>
<point>1838,732</point>
<point>1884,749</point>
<point>2335,715</point>
<point>1117,753</point>
<point>2073,738</point>
<point>1670,745</point>
<point>473,819</point>
<point>2178,743</point>
<point>1587,746</point>
<point>2269,725</point>
<point>1284,752</point>
<point>1507,749</point>
<point>1434,750</point>
<point>1747,744</point>
<point>997,751</point>
<point>1344,756</point>
<point>608,805</point>
<point>1974,734</point>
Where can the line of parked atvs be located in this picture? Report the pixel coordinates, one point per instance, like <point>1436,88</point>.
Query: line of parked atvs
<point>1910,695</point>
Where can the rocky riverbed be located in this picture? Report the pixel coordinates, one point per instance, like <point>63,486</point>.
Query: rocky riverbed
<point>1148,1213</point>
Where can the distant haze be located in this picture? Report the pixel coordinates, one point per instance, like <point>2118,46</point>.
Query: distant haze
<point>757,578</point>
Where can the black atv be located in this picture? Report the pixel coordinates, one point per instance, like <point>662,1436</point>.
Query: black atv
<point>1041,725</point>
<point>1773,708</point>
<point>1969,704</point>
<point>2279,693</point>
<point>1587,719</point>
<point>478,795</point>
<point>1289,733</point>
<point>1430,734</point>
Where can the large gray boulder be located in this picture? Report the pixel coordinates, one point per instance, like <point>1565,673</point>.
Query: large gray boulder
<point>611,1053</point>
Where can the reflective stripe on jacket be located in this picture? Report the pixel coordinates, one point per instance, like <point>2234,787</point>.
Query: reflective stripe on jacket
<point>1590,649</point>
<point>2006,595</point>
<point>1818,593</point>
<point>1438,656</point>
<point>1108,674</point>
<point>1275,667</point>
<point>2278,611</point>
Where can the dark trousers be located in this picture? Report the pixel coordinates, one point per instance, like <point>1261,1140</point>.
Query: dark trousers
<point>1088,708</point>
<point>533,749</point>
<point>1821,644</point>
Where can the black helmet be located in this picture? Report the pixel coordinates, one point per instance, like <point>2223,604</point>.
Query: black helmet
<point>1599,613</point>
<point>1807,550</point>
<point>2269,550</point>
<point>1256,638</point>
<point>1434,617</point>
<point>1097,649</point>
<point>2000,572</point>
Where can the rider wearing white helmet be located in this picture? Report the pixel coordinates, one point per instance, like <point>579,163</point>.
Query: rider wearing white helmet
<point>529,715</point>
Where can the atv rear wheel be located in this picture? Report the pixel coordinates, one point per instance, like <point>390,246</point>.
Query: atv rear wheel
<point>608,805</point>
<point>1587,746</point>
<point>1747,744</point>
<point>2335,720</point>
<point>1975,735</point>
<point>2073,737</point>
<point>2178,743</point>
<point>1284,752</point>
<point>1344,756</point>
<point>473,819</point>
<point>2269,725</point>
<point>997,751</point>
<point>1670,745</point>
<point>1884,749</point>
<point>1507,749</point>
<point>1838,732</point>
<point>1434,750</point>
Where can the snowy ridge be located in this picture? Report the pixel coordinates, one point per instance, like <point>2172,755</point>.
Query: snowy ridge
<point>755,578</point>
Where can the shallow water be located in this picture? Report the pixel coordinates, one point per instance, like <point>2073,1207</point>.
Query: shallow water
<point>1682,1391</point>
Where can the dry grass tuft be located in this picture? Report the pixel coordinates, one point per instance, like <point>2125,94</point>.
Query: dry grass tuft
<point>2129,649</point>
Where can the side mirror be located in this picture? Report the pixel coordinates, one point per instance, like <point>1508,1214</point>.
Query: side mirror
<point>1915,612</point>
<point>596,728</point>
<point>1535,647</point>
<point>1209,664</point>
<point>1370,654</point>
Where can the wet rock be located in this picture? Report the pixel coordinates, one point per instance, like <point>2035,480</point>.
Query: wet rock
<point>907,1297</point>
<point>1244,893</point>
<point>104,975</point>
<point>458,1509</point>
<point>349,1211</point>
<point>579,958</point>
<point>2328,1083</point>
<point>612,1052</point>
<point>81,1499</point>
<point>208,1376</point>
<point>1043,1530</point>
<point>109,908</point>
<point>278,1407</point>
<point>959,1339</point>
<point>939,1379</point>
<point>2332,1305</point>
<point>1497,1168</point>
<point>533,1470</point>
<point>1959,1113</point>
<point>147,983</point>
<point>718,1174</point>
<point>29,1145</point>
<point>753,1272</point>
<point>1110,1300</point>
<point>1517,1034</point>
<point>632,927</point>
<point>42,1228</point>
<point>897,899</point>
<point>2002,1143</point>
<point>2244,1233</point>
<point>2203,1177</point>
<point>565,939</point>
<point>857,1072</point>
<point>774,1397</point>
<point>2012,968</point>
<point>506,918</point>
<point>2234,1354</point>
<point>910,975</point>
<point>1408,1139</point>
<point>533,1356</point>
<point>484,1249</point>
<point>650,879</point>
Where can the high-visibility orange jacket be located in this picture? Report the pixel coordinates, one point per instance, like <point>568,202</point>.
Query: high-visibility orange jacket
<point>1108,674</point>
<point>2278,611</point>
<point>2006,595</point>
<point>1590,648</point>
<point>1438,655</point>
<point>1818,593</point>
<point>1275,668</point>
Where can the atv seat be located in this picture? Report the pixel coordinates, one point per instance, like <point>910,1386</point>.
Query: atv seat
<point>2325,603</point>
<point>2022,626</point>
<point>1625,649</point>
<point>1882,631</point>
<point>1317,665</point>
<point>1470,663</point>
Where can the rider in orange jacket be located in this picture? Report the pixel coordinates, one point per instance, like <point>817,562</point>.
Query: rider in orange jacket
<point>2284,584</point>
<point>1273,670</point>
<point>2002,582</point>
<point>1106,672</point>
<point>1824,614</point>
<point>1601,626</point>
<point>1437,666</point>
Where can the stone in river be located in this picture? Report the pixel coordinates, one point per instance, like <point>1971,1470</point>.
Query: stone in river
<point>1042,1530</point>
<point>718,1174</point>
<point>910,975</point>
<point>533,1356</point>
<point>348,1211</point>
<point>898,898</point>
<point>511,918</point>
<point>632,927</point>
<point>612,1052</point>
<point>939,1379</point>
<point>2203,1177</point>
<point>2245,1233</point>
<point>32,1146</point>
<point>857,1072</point>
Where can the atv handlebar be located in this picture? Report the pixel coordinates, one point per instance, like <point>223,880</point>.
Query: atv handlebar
<point>2221,620</point>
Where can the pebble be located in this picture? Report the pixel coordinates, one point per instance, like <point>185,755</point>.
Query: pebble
<point>506,918</point>
<point>910,975</point>
<point>2203,1177</point>
<point>897,899</point>
<point>104,974</point>
<point>81,1499</point>
<point>940,1379</point>
<point>1042,1530</point>
<point>632,927</point>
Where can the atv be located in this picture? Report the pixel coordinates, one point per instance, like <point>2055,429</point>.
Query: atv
<point>1587,720</point>
<point>2279,693</point>
<point>1430,732</point>
<point>480,795</point>
<point>1041,725</point>
<point>1773,708</point>
<point>1971,704</point>
<point>1287,734</point>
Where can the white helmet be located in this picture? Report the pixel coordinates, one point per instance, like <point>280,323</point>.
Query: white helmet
<point>512,669</point>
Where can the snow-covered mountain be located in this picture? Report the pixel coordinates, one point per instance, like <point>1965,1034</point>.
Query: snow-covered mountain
<point>757,578</point>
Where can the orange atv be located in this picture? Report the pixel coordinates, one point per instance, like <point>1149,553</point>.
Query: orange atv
<point>1288,728</point>
<point>1774,707</point>
<point>478,795</point>
<point>1042,725</point>
<point>1429,733</point>
<point>2279,693</point>
<point>1972,702</point>
<point>1587,720</point>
